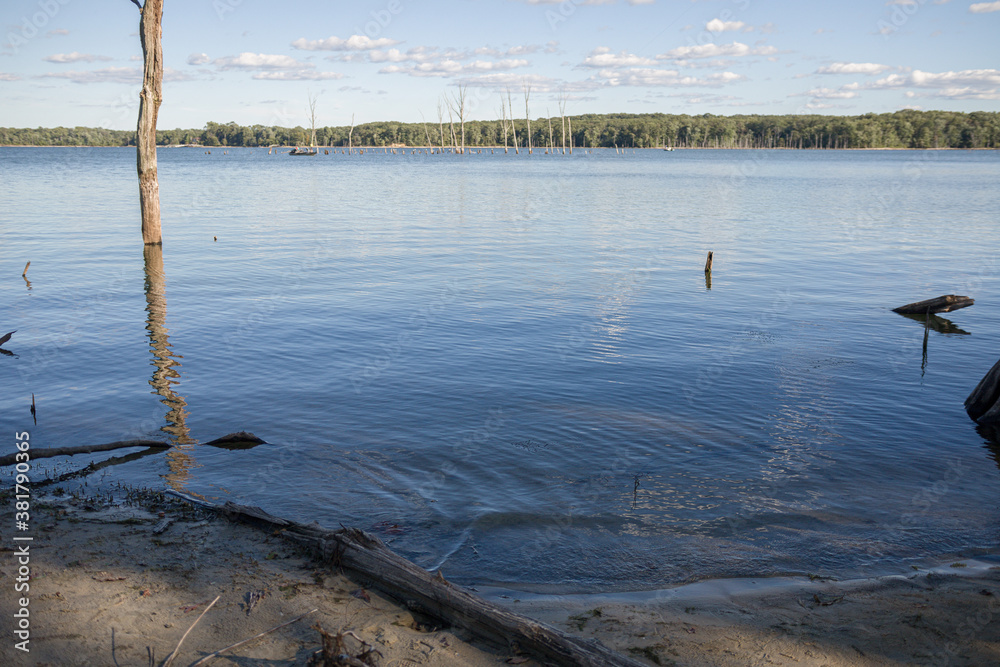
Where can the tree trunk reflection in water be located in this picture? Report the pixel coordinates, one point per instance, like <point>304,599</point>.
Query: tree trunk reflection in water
<point>165,373</point>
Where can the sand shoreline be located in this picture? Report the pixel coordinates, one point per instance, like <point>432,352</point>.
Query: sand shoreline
<point>105,588</point>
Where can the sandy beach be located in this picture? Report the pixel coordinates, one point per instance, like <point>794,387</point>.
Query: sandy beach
<point>106,589</point>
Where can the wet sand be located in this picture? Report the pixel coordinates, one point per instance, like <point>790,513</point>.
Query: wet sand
<point>106,590</point>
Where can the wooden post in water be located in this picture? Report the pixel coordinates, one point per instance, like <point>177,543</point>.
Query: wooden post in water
<point>24,274</point>
<point>150,96</point>
<point>708,263</point>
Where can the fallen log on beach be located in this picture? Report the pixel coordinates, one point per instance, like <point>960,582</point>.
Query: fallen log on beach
<point>941,304</point>
<point>11,459</point>
<point>983,404</point>
<point>418,589</point>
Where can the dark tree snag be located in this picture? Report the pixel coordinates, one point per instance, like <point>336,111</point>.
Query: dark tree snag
<point>239,440</point>
<point>11,459</point>
<point>941,304</point>
<point>708,262</point>
<point>151,33</point>
<point>983,404</point>
<point>415,587</point>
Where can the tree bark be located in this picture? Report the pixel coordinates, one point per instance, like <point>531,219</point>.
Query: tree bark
<point>150,31</point>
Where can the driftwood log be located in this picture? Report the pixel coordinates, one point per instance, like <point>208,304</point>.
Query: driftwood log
<point>365,554</point>
<point>983,404</point>
<point>942,304</point>
<point>11,459</point>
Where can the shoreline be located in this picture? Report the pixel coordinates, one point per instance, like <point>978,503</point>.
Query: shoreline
<point>448,149</point>
<point>100,567</point>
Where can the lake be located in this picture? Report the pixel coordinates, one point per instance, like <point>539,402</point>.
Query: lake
<point>513,367</point>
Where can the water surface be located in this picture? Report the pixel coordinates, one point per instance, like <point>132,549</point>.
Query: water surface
<point>513,367</point>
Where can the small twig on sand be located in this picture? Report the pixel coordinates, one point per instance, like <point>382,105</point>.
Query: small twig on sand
<point>170,658</point>
<point>212,656</point>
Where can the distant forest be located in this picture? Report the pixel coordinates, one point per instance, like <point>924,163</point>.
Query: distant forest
<point>902,129</point>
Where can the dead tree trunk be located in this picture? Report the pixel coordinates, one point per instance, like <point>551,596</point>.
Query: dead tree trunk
<point>151,34</point>
<point>510,105</point>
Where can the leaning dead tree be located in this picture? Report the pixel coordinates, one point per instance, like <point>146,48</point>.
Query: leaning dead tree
<point>151,34</point>
<point>459,107</point>
<point>350,139</point>
<point>510,105</point>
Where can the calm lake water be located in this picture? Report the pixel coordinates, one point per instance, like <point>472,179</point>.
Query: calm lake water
<point>512,367</point>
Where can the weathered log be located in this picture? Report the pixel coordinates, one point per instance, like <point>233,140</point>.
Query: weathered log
<point>11,459</point>
<point>708,262</point>
<point>365,554</point>
<point>983,404</point>
<point>942,304</point>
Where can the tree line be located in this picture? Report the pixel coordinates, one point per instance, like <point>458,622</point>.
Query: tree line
<point>902,129</point>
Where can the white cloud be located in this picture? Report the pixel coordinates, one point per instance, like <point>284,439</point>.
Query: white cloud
<point>127,75</point>
<point>454,67</point>
<point>301,75</point>
<point>716,25</point>
<point>9,77</point>
<point>352,43</point>
<point>585,2</point>
<point>498,80</point>
<point>736,49</point>
<point>904,3</point>
<point>645,76</point>
<point>973,84</point>
<point>830,94</point>
<point>198,59</point>
<point>984,7</point>
<point>602,57</point>
<point>853,68</point>
<point>74,58</point>
<point>260,61</point>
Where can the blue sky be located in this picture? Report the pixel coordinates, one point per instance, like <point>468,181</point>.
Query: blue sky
<point>78,62</point>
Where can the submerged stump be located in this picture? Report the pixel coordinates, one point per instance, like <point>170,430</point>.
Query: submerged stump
<point>983,404</point>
